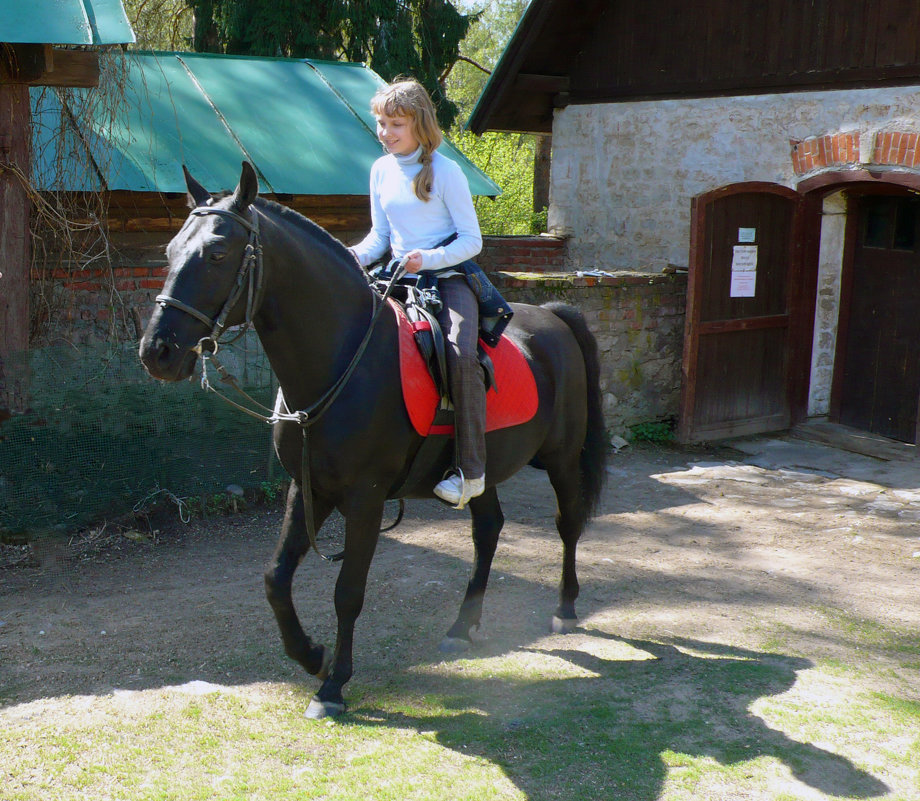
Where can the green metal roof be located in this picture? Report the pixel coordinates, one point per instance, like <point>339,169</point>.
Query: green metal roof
<point>306,126</point>
<point>70,22</point>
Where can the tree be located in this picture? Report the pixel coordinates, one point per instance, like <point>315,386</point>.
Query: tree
<point>499,155</point>
<point>420,38</point>
<point>482,47</point>
<point>160,24</point>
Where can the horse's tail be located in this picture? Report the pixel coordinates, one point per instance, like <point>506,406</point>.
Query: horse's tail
<point>593,457</point>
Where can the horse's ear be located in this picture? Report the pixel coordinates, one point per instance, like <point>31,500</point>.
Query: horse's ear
<point>197,194</point>
<point>248,188</point>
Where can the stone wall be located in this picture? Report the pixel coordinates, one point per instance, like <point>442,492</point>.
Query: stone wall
<point>638,320</point>
<point>624,174</point>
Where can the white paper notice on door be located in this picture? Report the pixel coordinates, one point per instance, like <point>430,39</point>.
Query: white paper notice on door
<point>744,271</point>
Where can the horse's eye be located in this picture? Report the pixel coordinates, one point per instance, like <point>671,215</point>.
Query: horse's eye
<point>216,255</point>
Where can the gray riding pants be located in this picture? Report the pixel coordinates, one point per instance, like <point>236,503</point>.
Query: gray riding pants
<point>459,319</point>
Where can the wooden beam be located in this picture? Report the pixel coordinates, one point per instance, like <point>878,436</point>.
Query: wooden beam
<point>44,65</point>
<point>21,63</point>
<point>551,84</point>
<point>14,245</point>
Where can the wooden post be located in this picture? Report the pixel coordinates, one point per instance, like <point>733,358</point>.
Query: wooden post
<point>542,159</point>
<point>14,244</point>
<point>22,65</point>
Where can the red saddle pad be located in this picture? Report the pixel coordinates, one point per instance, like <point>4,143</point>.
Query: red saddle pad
<point>514,403</point>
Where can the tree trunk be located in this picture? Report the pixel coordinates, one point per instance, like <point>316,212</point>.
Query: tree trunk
<point>542,159</point>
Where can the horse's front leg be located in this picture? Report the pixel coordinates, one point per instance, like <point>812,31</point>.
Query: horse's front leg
<point>292,545</point>
<point>487,525</point>
<point>362,529</point>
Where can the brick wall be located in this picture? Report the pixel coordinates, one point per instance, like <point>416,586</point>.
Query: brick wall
<point>527,254</point>
<point>86,309</point>
<point>97,306</point>
<point>80,305</point>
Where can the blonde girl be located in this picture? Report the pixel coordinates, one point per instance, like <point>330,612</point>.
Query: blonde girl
<point>422,210</point>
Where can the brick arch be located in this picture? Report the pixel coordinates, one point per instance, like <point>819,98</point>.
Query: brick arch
<point>897,149</point>
<point>823,152</point>
<point>837,152</point>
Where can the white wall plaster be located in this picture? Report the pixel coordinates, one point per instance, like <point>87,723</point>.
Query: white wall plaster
<point>624,174</point>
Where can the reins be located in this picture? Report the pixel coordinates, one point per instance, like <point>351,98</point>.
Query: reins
<point>208,346</point>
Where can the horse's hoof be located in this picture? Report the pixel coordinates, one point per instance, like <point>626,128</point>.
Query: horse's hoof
<point>323,673</point>
<point>563,625</point>
<point>323,709</point>
<point>454,645</point>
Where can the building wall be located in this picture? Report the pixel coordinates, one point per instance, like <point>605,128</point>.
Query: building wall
<point>623,174</point>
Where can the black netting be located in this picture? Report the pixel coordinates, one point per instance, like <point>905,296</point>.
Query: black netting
<point>101,437</point>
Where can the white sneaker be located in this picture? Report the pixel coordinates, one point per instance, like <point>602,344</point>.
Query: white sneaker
<point>457,490</point>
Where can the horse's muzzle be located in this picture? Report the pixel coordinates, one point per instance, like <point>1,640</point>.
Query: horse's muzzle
<point>165,360</point>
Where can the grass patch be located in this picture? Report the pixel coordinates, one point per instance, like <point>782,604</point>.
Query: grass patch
<point>579,718</point>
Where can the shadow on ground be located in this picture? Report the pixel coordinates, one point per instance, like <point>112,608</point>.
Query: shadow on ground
<point>615,733</point>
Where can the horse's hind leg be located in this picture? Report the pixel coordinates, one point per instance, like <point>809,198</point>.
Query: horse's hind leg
<point>570,522</point>
<point>292,545</point>
<point>487,524</point>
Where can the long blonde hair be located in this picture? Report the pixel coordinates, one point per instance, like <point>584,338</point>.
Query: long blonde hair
<point>406,97</point>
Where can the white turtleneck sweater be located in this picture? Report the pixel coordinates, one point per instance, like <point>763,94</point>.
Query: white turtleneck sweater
<point>402,222</point>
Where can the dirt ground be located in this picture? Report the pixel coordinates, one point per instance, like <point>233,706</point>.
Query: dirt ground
<point>725,545</point>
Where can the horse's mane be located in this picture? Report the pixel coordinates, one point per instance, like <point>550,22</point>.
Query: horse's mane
<point>305,224</point>
<point>312,229</point>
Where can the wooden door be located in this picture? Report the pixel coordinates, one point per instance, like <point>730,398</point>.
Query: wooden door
<point>741,373</point>
<point>877,376</point>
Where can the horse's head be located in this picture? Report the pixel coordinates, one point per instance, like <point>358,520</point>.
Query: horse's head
<point>214,271</point>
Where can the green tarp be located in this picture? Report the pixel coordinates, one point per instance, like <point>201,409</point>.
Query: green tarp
<point>305,125</point>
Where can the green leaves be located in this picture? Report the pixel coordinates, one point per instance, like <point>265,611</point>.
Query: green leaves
<point>508,160</point>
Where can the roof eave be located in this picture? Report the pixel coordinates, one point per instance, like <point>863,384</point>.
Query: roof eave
<point>502,77</point>
<point>94,23</point>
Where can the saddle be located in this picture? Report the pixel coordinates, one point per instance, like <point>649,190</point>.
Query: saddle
<point>421,307</point>
<point>425,402</point>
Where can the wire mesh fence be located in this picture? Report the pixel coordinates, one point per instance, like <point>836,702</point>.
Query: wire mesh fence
<point>101,438</point>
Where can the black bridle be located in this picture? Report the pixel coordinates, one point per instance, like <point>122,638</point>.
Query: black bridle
<point>250,274</point>
<point>248,279</point>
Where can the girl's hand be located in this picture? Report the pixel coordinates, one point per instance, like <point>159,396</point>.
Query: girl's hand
<point>413,261</point>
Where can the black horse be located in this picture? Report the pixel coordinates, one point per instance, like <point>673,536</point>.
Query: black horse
<point>240,257</point>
